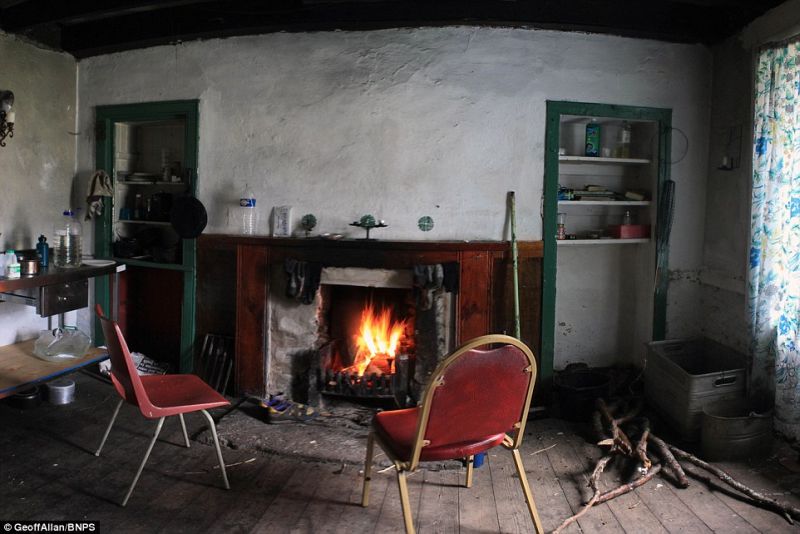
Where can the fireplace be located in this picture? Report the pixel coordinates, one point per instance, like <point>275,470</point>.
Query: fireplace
<point>250,267</point>
<point>366,335</point>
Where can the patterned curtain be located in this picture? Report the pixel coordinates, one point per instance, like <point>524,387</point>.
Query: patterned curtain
<point>774,276</point>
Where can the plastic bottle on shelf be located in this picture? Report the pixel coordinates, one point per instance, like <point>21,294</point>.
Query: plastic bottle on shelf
<point>11,267</point>
<point>43,251</point>
<point>67,253</point>
<point>627,219</point>
<point>624,141</point>
<point>593,138</point>
<point>248,213</point>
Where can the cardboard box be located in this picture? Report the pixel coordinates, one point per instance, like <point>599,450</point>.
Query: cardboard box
<point>629,231</point>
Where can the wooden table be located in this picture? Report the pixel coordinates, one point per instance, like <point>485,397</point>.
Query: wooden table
<point>20,369</point>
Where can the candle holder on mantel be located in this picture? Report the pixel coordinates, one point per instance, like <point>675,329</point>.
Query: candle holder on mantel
<point>368,222</point>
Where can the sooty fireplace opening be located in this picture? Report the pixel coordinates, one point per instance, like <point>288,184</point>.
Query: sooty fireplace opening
<point>367,334</point>
<point>371,351</point>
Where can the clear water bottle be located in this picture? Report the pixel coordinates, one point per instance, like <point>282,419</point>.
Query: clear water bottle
<point>11,267</point>
<point>67,253</point>
<point>248,212</point>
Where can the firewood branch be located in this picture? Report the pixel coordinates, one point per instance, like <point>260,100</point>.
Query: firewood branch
<point>785,510</point>
<point>594,484</point>
<point>641,447</point>
<point>669,459</point>
<point>630,486</point>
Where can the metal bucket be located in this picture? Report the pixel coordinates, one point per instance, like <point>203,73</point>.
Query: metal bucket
<point>736,430</point>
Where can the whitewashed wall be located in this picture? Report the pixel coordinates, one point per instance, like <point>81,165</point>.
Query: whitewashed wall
<point>36,166</point>
<point>410,122</point>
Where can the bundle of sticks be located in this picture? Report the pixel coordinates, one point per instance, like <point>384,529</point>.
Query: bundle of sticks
<point>624,433</point>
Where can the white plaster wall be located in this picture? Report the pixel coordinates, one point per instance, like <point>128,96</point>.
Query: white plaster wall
<point>408,122</point>
<point>399,123</point>
<point>36,166</point>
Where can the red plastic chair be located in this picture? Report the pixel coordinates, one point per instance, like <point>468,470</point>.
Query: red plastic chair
<point>156,396</point>
<point>475,400</point>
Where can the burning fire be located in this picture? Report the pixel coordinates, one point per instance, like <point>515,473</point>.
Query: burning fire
<point>377,341</point>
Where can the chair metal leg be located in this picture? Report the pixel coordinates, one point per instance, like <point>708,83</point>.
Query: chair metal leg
<point>470,470</point>
<point>526,489</point>
<point>404,500</point>
<point>144,461</point>
<point>368,470</point>
<point>219,451</point>
<point>108,428</point>
<point>183,426</point>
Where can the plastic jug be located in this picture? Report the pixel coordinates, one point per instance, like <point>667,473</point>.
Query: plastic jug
<point>67,250</point>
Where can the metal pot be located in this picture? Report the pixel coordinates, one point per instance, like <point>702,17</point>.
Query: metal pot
<point>29,267</point>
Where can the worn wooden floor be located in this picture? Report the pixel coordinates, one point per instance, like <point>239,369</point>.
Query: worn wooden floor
<point>48,472</point>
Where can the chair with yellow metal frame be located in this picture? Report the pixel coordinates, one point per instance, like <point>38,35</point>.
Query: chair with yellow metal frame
<point>475,400</point>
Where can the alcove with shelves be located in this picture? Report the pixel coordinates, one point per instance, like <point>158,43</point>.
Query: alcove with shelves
<point>602,301</point>
<point>150,150</point>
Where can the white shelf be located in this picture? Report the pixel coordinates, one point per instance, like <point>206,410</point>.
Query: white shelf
<point>149,182</point>
<point>595,242</point>
<point>146,223</point>
<point>604,202</point>
<point>603,161</point>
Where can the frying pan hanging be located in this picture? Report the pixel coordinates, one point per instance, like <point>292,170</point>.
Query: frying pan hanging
<point>188,217</point>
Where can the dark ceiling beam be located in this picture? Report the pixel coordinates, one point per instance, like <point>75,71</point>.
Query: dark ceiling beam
<point>670,21</point>
<point>32,13</point>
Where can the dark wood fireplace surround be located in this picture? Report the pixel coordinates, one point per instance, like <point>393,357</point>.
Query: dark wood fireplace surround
<point>484,302</point>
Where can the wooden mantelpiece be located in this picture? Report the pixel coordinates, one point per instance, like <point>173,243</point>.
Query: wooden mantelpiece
<point>484,301</point>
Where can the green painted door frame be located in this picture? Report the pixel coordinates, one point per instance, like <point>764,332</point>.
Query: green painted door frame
<point>555,110</point>
<point>105,118</point>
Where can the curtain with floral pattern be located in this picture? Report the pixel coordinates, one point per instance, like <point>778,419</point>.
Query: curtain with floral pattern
<point>774,274</point>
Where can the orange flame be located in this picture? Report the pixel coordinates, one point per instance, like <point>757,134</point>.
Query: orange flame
<point>377,340</point>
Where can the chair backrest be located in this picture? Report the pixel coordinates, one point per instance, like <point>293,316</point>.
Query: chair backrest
<point>124,376</point>
<point>474,394</point>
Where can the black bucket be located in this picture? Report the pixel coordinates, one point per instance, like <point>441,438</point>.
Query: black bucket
<point>578,390</point>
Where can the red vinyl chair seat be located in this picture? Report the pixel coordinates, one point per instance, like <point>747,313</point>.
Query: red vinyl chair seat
<point>174,394</point>
<point>397,430</point>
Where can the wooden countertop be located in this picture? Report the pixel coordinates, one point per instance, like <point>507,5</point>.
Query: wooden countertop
<point>19,368</point>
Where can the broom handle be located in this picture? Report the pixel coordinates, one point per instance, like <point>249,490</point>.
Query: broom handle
<point>515,262</point>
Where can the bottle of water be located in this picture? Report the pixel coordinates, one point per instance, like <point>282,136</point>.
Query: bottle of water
<point>12,267</point>
<point>248,213</point>
<point>68,242</point>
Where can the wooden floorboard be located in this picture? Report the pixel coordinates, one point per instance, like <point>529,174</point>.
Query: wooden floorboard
<point>438,510</point>
<point>573,473</point>
<point>477,507</point>
<point>48,471</point>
